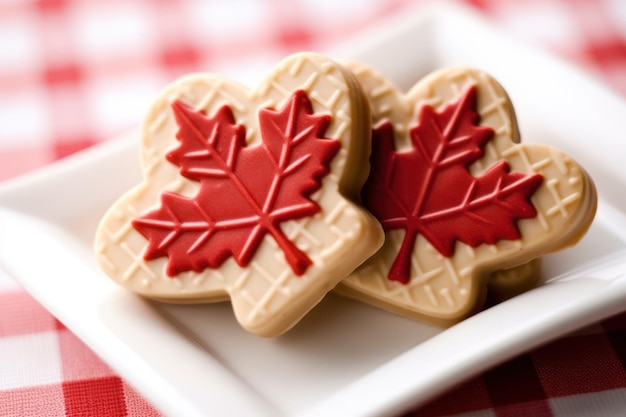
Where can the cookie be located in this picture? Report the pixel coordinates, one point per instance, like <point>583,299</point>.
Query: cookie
<point>459,197</point>
<point>507,283</point>
<point>248,195</point>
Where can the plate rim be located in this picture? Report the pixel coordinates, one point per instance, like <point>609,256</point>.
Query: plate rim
<point>56,171</point>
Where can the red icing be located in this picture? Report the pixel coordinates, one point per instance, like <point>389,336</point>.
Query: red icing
<point>428,190</point>
<point>245,191</point>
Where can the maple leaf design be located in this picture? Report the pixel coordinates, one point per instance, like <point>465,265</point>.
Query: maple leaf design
<point>245,191</point>
<point>428,189</point>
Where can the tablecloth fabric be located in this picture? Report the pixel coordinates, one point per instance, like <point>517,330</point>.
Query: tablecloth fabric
<point>75,73</point>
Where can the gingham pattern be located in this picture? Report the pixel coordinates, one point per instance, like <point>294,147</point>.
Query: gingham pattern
<point>46,371</point>
<point>73,73</point>
<point>579,375</point>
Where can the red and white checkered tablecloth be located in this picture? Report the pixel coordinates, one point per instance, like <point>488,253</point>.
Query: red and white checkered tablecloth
<point>74,73</point>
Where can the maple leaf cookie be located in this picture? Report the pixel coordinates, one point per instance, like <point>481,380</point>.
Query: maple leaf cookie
<point>463,203</point>
<point>248,194</point>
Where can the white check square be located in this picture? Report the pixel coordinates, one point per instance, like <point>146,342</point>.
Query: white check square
<point>42,367</point>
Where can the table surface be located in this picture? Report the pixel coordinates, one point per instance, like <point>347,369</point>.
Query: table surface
<point>74,73</point>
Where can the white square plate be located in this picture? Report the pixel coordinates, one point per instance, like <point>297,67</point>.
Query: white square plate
<point>344,358</point>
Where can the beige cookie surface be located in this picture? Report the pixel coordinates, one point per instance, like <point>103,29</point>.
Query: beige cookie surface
<point>273,234</point>
<point>445,275</point>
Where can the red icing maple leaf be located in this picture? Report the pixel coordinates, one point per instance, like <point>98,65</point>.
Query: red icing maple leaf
<point>245,191</point>
<point>428,189</point>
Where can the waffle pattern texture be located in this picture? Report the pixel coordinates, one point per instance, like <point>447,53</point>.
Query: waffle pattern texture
<point>76,73</point>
